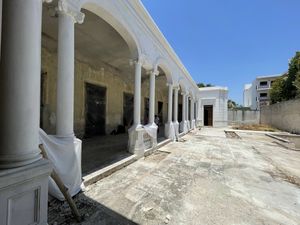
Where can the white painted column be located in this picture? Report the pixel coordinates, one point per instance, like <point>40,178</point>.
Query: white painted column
<point>170,103</point>
<point>152,97</point>
<point>183,107</point>
<point>169,128</point>
<point>67,17</point>
<point>20,82</point>
<point>175,122</point>
<point>137,94</point>
<point>192,113</point>
<point>136,132</point>
<point>176,104</point>
<point>183,124</point>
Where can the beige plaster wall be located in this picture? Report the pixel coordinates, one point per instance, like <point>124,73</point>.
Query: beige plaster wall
<point>284,115</point>
<point>107,77</point>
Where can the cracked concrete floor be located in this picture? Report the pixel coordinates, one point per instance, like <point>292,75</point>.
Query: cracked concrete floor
<point>205,179</point>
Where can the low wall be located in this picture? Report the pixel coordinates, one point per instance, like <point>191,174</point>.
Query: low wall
<point>243,117</point>
<point>284,115</point>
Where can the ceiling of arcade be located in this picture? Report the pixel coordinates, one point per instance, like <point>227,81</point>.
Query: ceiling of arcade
<point>96,42</point>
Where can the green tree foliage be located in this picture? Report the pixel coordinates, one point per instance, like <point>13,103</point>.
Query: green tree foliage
<point>277,91</point>
<point>231,104</point>
<point>288,86</point>
<point>201,85</point>
<point>297,84</point>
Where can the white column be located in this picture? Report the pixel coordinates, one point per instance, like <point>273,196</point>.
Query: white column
<point>183,107</point>
<point>152,97</point>
<point>192,113</point>
<point>170,103</point>
<point>20,82</point>
<point>136,132</point>
<point>176,104</point>
<point>187,107</point>
<point>137,94</point>
<point>67,18</point>
<point>183,124</point>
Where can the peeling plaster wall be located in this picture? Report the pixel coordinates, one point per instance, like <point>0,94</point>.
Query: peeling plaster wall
<point>106,77</point>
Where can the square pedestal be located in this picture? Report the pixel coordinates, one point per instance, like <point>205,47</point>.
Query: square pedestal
<point>24,194</point>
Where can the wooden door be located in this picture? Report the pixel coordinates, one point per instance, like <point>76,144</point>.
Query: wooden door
<point>208,115</point>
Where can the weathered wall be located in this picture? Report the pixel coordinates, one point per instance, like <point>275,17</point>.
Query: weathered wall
<point>106,77</point>
<point>284,115</point>
<point>243,117</point>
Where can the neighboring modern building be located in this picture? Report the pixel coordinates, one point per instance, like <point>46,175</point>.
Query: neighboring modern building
<point>260,91</point>
<point>86,69</point>
<point>213,106</point>
<point>247,98</point>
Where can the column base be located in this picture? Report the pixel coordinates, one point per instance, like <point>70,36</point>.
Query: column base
<point>136,140</point>
<point>176,129</point>
<point>151,129</point>
<point>24,194</point>
<point>169,131</point>
<point>193,124</point>
<point>188,125</point>
<point>183,127</point>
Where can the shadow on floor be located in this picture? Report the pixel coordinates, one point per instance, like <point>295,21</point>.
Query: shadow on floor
<point>101,151</point>
<point>91,211</point>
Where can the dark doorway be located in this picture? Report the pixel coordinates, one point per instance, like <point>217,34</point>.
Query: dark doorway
<point>179,113</point>
<point>208,115</point>
<point>160,112</point>
<point>95,101</point>
<point>146,111</point>
<point>127,110</point>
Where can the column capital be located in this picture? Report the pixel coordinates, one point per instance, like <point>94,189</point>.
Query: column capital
<point>176,87</point>
<point>47,1</point>
<point>184,93</point>
<point>66,8</point>
<point>155,72</point>
<point>170,85</point>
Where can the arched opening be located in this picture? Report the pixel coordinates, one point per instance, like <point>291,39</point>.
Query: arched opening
<point>104,85</point>
<point>161,106</point>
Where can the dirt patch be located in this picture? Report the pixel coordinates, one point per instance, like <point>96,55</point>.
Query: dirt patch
<point>157,156</point>
<point>232,134</point>
<point>255,127</point>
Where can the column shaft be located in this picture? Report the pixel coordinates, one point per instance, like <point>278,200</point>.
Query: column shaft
<point>183,107</point>
<point>187,107</point>
<point>170,103</point>
<point>137,93</point>
<point>152,98</point>
<point>192,110</point>
<point>65,76</point>
<point>20,82</point>
<point>176,104</point>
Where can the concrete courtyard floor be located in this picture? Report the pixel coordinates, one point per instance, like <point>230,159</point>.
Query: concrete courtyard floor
<point>205,178</point>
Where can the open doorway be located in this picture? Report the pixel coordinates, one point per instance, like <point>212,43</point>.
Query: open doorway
<point>208,115</point>
<point>95,114</point>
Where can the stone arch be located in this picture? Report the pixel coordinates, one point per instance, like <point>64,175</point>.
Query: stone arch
<point>182,84</point>
<point>101,10</point>
<point>160,62</point>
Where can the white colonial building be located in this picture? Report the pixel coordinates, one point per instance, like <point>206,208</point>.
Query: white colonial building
<point>213,106</point>
<point>81,68</point>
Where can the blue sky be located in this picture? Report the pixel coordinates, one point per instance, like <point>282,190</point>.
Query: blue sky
<point>230,42</point>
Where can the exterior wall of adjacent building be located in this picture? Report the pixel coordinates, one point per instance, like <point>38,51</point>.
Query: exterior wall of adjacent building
<point>261,87</point>
<point>105,76</point>
<point>218,98</point>
<point>247,95</point>
<point>284,115</point>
